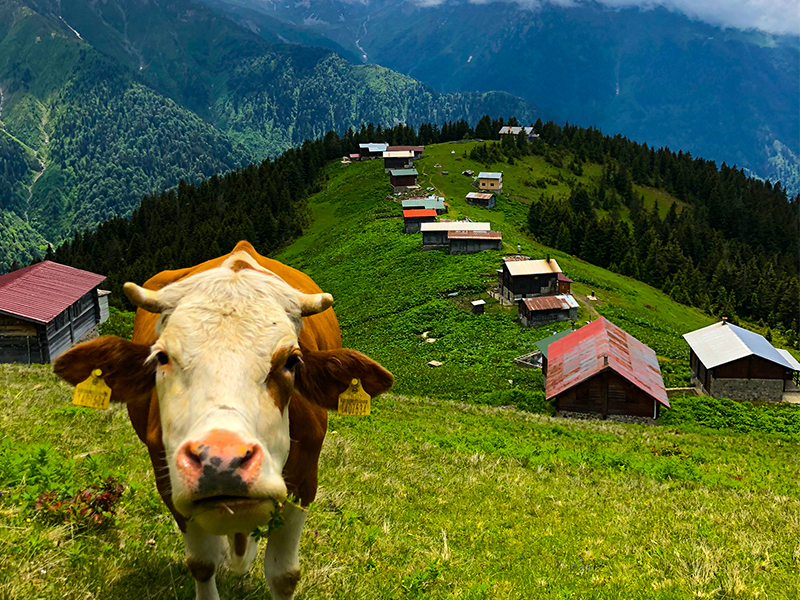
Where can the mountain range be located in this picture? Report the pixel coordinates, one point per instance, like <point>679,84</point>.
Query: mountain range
<point>654,76</point>
<point>103,102</point>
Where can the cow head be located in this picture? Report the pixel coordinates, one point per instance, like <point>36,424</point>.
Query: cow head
<point>225,364</point>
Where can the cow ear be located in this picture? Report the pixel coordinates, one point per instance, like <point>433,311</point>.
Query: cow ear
<point>323,376</point>
<point>121,361</point>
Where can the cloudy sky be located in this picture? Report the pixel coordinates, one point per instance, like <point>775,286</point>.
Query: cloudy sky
<point>773,16</point>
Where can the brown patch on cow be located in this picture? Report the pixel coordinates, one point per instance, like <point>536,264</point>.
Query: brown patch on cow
<point>280,382</point>
<point>239,265</point>
<point>201,571</point>
<point>122,363</point>
<point>240,544</point>
<point>323,376</point>
<point>285,584</point>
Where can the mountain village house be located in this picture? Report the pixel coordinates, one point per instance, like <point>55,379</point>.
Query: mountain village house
<point>430,203</point>
<point>369,151</point>
<point>417,151</point>
<point>412,219</point>
<point>434,235</point>
<point>397,159</point>
<point>535,312</point>
<point>515,131</point>
<point>481,199</point>
<point>528,278</point>
<point>491,182</point>
<point>601,369</point>
<point>563,284</point>
<point>46,308</point>
<point>728,361</point>
<point>470,242</point>
<point>403,179</point>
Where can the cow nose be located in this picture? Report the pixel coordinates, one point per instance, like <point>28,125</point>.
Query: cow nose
<point>219,463</point>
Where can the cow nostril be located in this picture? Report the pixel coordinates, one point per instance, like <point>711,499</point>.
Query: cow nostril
<point>192,456</point>
<point>249,457</point>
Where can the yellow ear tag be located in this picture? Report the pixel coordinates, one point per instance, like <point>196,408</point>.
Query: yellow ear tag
<point>354,401</point>
<point>93,392</point>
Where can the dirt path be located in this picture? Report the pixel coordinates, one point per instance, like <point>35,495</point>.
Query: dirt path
<point>589,304</point>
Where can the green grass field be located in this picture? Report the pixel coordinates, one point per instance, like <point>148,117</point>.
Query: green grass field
<point>447,490</point>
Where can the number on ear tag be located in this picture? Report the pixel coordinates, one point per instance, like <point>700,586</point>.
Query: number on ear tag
<point>93,392</point>
<point>354,401</point>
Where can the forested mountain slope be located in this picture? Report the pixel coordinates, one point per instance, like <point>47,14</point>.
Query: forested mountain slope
<point>654,76</point>
<point>106,102</point>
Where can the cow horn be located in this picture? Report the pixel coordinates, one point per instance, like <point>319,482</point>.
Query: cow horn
<point>143,298</point>
<point>312,304</point>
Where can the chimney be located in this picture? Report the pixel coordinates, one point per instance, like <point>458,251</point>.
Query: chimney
<point>548,258</point>
<point>724,320</point>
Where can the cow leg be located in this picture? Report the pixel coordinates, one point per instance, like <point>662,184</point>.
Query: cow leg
<point>204,555</point>
<point>282,557</point>
<point>243,549</point>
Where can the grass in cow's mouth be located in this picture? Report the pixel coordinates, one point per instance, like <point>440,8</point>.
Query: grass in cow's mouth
<point>425,499</point>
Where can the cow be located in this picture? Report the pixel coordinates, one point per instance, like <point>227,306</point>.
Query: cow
<point>228,378</point>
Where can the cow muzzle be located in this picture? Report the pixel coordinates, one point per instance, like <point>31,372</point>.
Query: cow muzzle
<point>224,487</point>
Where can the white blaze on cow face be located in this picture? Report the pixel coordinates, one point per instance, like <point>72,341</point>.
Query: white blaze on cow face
<point>225,356</point>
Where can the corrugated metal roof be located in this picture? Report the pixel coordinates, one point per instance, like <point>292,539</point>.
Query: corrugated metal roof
<point>544,345</point>
<point>434,203</point>
<point>793,364</point>
<point>412,148</point>
<point>532,267</point>
<point>514,258</point>
<point>403,172</point>
<point>43,291</point>
<point>564,278</point>
<point>419,212</point>
<point>479,196</point>
<point>557,302</point>
<point>489,175</point>
<point>581,355</point>
<point>723,342</point>
<point>456,226</point>
<point>515,130</point>
<point>374,147</point>
<point>398,154</point>
<point>474,235</point>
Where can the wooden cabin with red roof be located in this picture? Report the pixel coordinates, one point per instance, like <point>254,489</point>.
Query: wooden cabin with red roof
<point>413,218</point>
<point>47,308</point>
<point>602,370</point>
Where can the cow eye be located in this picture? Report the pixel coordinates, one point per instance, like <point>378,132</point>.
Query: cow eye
<point>292,362</point>
<point>162,358</point>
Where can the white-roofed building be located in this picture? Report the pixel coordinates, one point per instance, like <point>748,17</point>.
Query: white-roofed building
<point>728,361</point>
<point>490,182</point>
<point>521,279</point>
<point>435,234</point>
<point>372,150</point>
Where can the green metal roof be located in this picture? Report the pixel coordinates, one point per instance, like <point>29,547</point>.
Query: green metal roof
<point>401,172</point>
<point>544,344</point>
<point>437,204</point>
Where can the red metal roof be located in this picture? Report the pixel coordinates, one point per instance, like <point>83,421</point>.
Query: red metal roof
<point>470,235</point>
<point>412,148</point>
<point>564,278</point>
<point>43,291</point>
<point>581,355</point>
<point>419,212</point>
<point>547,303</point>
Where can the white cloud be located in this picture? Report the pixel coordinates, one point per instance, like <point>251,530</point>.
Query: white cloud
<point>772,16</point>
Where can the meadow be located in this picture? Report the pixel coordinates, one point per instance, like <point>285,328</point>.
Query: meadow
<point>460,484</point>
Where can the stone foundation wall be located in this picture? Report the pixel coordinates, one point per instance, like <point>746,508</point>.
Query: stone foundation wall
<point>586,416</point>
<point>764,390</point>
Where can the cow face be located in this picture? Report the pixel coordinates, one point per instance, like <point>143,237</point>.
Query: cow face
<point>225,361</point>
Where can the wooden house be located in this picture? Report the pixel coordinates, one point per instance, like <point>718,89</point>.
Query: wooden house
<point>435,234</point>
<point>728,361</point>
<point>403,179</point>
<point>417,151</point>
<point>563,284</point>
<point>513,132</point>
<point>46,308</point>
<point>370,151</point>
<point>481,199</point>
<point>529,278</point>
<point>397,159</point>
<point>412,219</point>
<point>535,312</point>
<point>470,242</point>
<point>544,345</point>
<point>430,203</point>
<point>603,370</point>
<point>490,182</point>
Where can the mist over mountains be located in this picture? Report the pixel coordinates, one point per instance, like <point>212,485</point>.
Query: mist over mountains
<point>654,75</point>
